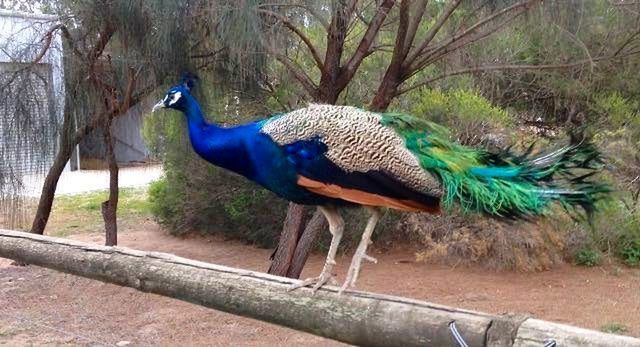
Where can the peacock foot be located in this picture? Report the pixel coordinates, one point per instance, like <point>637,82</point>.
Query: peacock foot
<point>354,269</point>
<point>317,282</point>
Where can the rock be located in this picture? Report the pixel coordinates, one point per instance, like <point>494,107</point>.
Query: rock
<point>123,343</point>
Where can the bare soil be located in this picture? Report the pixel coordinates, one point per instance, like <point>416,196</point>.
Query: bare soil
<point>44,307</point>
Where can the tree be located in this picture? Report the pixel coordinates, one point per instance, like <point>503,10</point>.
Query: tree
<point>115,56</point>
<point>420,42</point>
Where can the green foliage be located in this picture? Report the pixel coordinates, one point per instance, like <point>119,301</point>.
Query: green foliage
<point>465,105</point>
<point>614,229</point>
<point>472,118</point>
<point>587,257</point>
<point>631,253</point>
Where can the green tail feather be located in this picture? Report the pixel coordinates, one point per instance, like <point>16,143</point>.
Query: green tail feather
<point>503,184</point>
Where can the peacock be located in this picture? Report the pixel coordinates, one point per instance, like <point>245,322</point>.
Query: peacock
<point>334,156</point>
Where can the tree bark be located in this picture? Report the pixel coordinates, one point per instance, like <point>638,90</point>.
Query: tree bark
<point>68,140</point>
<point>110,207</point>
<point>305,243</point>
<point>49,189</point>
<point>293,224</point>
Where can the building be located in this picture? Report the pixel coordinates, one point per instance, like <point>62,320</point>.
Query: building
<point>38,91</point>
<point>41,91</point>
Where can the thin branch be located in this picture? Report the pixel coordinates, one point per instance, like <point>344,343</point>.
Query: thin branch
<point>298,73</point>
<point>128,94</point>
<point>627,42</point>
<point>367,39</point>
<point>576,40</point>
<point>413,27</point>
<point>521,7</point>
<point>433,31</point>
<point>48,39</point>
<point>207,55</point>
<point>311,10</point>
<point>448,45</point>
<point>510,67</point>
<point>103,39</point>
<point>285,21</point>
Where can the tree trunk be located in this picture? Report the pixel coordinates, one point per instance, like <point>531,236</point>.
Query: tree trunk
<point>305,242</point>
<point>67,143</point>
<point>384,95</point>
<point>110,207</point>
<point>295,242</point>
<point>293,224</point>
<point>290,256</point>
<point>49,190</point>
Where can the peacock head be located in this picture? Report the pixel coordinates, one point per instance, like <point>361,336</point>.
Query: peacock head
<point>176,97</point>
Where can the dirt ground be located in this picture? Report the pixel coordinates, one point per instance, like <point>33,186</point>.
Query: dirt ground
<point>44,307</point>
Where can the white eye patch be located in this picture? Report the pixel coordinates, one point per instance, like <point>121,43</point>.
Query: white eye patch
<point>174,98</point>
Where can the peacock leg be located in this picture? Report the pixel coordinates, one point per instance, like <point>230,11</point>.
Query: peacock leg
<point>336,227</point>
<point>361,252</point>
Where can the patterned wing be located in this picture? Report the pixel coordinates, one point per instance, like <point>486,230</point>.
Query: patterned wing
<point>347,153</point>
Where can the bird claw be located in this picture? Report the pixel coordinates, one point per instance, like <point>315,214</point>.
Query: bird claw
<point>317,282</point>
<point>354,270</point>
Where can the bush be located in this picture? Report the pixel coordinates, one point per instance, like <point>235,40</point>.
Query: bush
<point>210,200</point>
<point>471,117</point>
<point>587,257</point>
<point>631,254</point>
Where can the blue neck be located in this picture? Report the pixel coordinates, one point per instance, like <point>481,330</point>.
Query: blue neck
<point>195,117</point>
<point>224,147</point>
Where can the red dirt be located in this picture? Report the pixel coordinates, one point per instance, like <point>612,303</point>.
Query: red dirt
<point>44,307</point>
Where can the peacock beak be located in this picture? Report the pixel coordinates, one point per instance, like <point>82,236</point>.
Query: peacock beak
<point>157,106</point>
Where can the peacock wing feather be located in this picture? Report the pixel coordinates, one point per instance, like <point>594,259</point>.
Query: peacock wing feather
<point>347,153</point>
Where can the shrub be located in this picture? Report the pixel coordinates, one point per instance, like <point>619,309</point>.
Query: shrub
<point>631,254</point>
<point>587,257</point>
<point>471,117</point>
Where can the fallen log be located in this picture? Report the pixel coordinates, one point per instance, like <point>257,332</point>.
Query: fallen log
<point>359,318</point>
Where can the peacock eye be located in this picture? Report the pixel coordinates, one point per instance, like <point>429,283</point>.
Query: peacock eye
<point>174,98</point>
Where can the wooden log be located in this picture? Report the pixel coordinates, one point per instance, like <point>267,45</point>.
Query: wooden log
<point>355,317</point>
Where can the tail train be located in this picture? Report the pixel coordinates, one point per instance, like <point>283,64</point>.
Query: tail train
<point>519,186</point>
<point>505,184</point>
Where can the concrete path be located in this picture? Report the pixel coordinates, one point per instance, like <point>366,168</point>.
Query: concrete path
<point>77,182</point>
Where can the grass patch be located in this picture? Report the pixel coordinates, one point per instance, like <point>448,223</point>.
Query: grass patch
<point>82,213</point>
<point>614,328</point>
